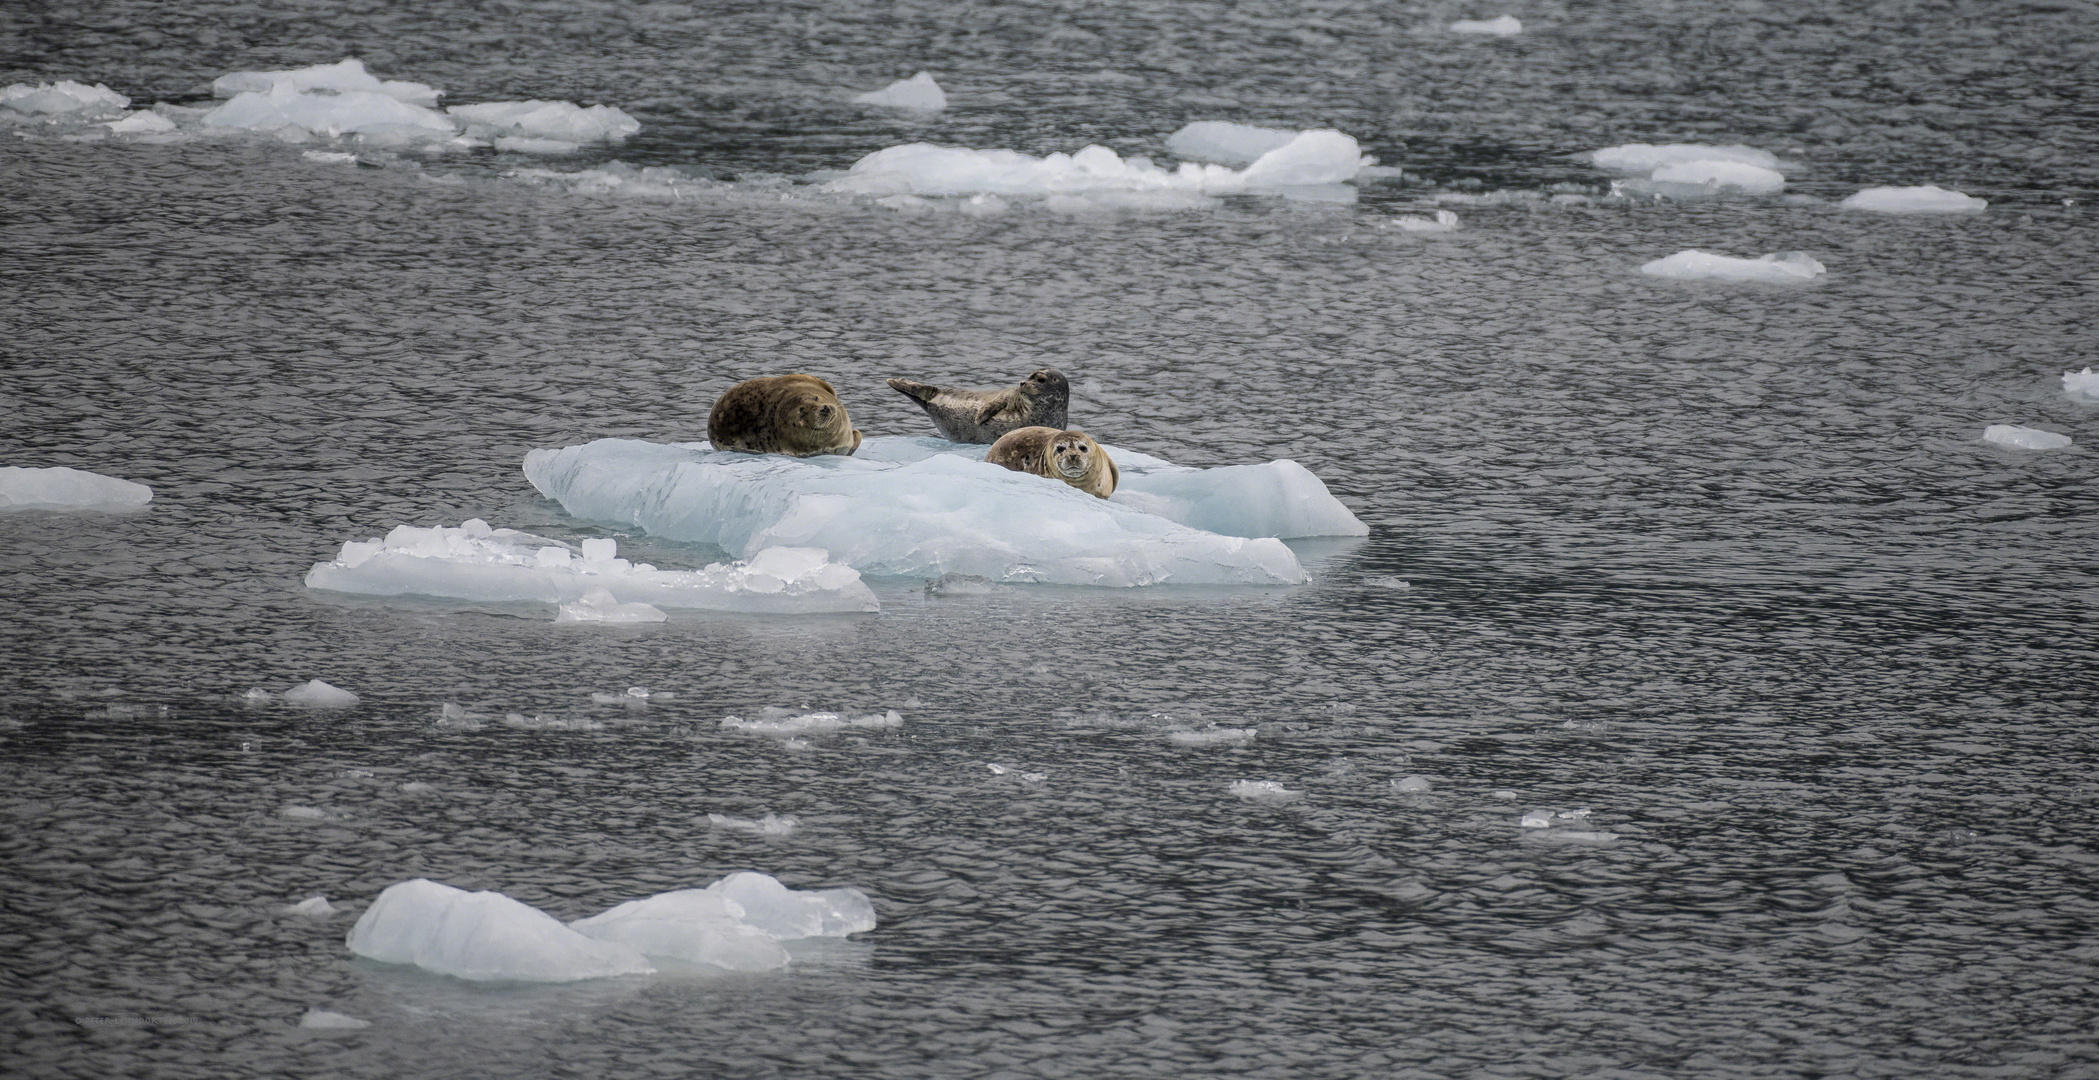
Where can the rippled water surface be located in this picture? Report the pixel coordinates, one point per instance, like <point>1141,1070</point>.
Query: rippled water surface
<point>1726,566</point>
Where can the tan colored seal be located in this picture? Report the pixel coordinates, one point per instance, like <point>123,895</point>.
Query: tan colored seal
<point>981,416</point>
<point>798,415</point>
<point>1070,456</point>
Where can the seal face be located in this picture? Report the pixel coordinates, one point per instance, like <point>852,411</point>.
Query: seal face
<point>982,416</point>
<point>798,415</point>
<point>1070,456</point>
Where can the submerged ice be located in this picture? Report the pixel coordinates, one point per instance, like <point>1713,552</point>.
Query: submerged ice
<point>927,508</point>
<point>477,563</point>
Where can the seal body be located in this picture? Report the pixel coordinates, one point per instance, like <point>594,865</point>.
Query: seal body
<point>1070,456</point>
<point>798,415</point>
<point>981,416</point>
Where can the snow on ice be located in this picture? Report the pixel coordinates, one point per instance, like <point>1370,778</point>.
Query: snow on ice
<point>1691,265</point>
<point>1926,199</point>
<point>2024,438</point>
<point>476,563</point>
<point>737,923</point>
<point>68,489</point>
<point>919,92</point>
<point>904,507</point>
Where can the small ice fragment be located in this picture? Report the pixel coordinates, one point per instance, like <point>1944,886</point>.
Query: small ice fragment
<point>1504,26</point>
<point>600,606</point>
<point>331,1021</point>
<point>1691,264</point>
<point>1504,793</point>
<point>1572,815</point>
<point>2024,438</point>
<point>255,695</point>
<point>769,825</point>
<point>1211,736</point>
<point>1924,199</point>
<point>304,813</point>
<point>919,92</point>
<point>1388,582</point>
<point>61,98</point>
<point>1262,791</point>
<point>789,914</point>
<point>337,78</point>
<point>1754,179</point>
<point>316,906</point>
<point>482,936</point>
<point>1411,783</point>
<point>1537,819</point>
<point>2082,385</point>
<point>1647,157</point>
<point>1444,221</point>
<point>698,926</point>
<point>417,787</point>
<point>142,122</point>
<point>319,695</point>
<point>457,718</point>
<point>544,126</point>
<point>996,770</point>
<point>777,721</point>
<point>330,157</point>
<point>599,549</point>
<point>68,489</point>
<point>1226,143</point>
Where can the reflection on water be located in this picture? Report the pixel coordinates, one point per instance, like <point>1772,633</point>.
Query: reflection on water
<point>1727,567</point>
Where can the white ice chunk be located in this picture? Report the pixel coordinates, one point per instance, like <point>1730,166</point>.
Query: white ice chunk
<point>2024,438</point>
<point>1444,221</point>
<point>1412,784</point>
<point>63,98</point>
<point>142,122</point>
<point>313,906</point>
<point>1647,157</point>
<point>503,566</point>
<point>1313,157</point>
<point>600,606</point>
<point>319,695</point>
<point>919,92</point>
<point>1691,264</point>
<point>1263,791</point>
<point>1503,26</point>
<point>68,489</point>
<point>1211,736</point>
<point>1226,143</point>
<point>344,76</point>
<point>482,936</point>
<point>777,721</point>
<point>927,508</point>
<point>790,914</point>
<point>330,114</point>
<point>1538,819</point>
<point>769,825</point>
<point>2082,385</point>
<point>1719,175</point>
<point>1927,199</point>
<point>1310,157</point>
<point>560,121</point>
<point>332,1021</point>
<point>699,926</point>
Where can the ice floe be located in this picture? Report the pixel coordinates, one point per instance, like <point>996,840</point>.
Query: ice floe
<point>319,695</point>
<point>1690,265</point>
<point>773,720</point>
<point>477,563</point>
<point>2024,438</point>
<point>919,93</point>
<point>737,923</point>
<point>2082,385</point>
<point>68,489</point>
<point>1647,157</point>
<point>1211,736</point>
<point>328,114</point>
<point>1925,199</point>
<point>1501,26</point>
<point>926,508</point>
<point>562,122</point>
<point>1691,170</point>
<point>64,98</point>
<point>343,76</point>
<point>923,169</point>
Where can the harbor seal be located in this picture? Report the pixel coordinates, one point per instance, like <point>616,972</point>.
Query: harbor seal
<point>797,415</point>
<point>1070,456</point>
<point>981,416</point>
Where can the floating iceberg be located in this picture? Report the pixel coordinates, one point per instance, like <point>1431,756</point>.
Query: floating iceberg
<point>1691,265</point>
<point>63,98</point>
<point>1927,199</point>
<point>1310,157</point>
<point>927,508</point>
<point>737,923</point>
<point>1503,26</point>
<point>1226,143</point>
<point>477,563</point>
<point>918,92</point>
<point>345,76</point>
<point>554,121</point>
<point>68,489</point>
<point>2024,438</point>
<point>2082,385</point>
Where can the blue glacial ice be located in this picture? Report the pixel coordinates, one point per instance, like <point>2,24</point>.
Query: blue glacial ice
<point>1790,268</point>
<point>477,563</point>
<point>919,93</point>
<point>68,489</point>
<point>927,508</point>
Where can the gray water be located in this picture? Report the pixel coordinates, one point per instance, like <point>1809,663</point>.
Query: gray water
<point>1727,566</point>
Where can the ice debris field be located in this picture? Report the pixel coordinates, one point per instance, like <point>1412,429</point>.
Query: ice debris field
<point>735,924</point>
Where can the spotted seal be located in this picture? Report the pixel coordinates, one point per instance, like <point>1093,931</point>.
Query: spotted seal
<point>798,415</point>
<point>1070,456</point>
<point>981,416</point>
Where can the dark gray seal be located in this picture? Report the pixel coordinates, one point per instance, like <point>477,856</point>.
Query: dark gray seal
<point>981,416</point>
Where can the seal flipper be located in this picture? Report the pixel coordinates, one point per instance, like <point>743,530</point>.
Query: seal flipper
<point>916,391</point>
<point>1006,399</point>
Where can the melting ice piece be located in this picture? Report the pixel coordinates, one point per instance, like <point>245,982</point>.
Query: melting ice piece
<point>142,122</point>
<point>789,914</point>
<point>1538,819</point>
<point>474,562</point>
<point>2024,438</point>
<point>1503,26</point>
<point>1226,143</point>
<point>777,721</point>
<point>315,906</point>
<point>1718,175</point>
<point>319,695</point>
<point>68,489</point>
<point>1310,157</point>
<point>1647,157</point>
<point>918,92</point>
<point>600,606</point>
<point>333,1021</point>
<point>1690,265</point>
<point>1212,736</point>
<point>63,98</point>
<point>699,926</point>
<point>1263,791</point>
<point>329,113</point>
<point>344,76</point>
<point>926,508</point>
<point>559,121</point>
<point>1444,221</point>
<point>2082,385</point>
<point>1927,199</point>
<point>769,825</point>
<point>482,936</point>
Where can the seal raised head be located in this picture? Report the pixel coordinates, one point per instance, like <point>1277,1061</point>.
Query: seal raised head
<point>981,416</point>
<point>1070,456</point>
<point>798,415</point>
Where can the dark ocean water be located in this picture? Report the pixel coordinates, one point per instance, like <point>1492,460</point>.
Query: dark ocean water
<point>1727,566</point>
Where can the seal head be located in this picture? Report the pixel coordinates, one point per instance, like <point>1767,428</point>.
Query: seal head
<point>797,415</point>
<point>981,416</point>
<point>1070,456</point>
